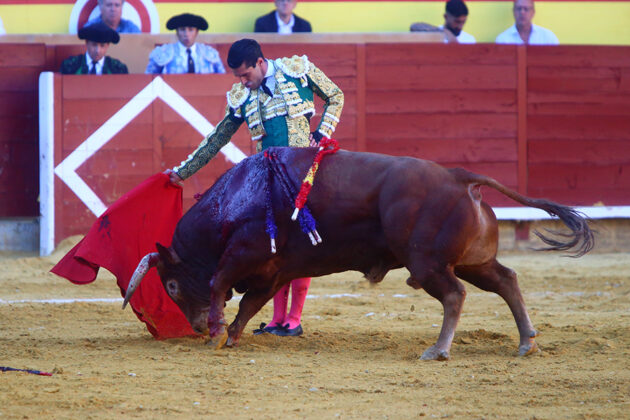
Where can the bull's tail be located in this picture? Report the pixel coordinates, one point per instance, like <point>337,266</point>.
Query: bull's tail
<point>580,240</point>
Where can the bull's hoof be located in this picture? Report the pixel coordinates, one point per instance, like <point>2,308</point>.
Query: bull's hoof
<point>528,349</point>
<point>219,341</point>
<point>433,353</point>
<point>222,340</point>
<point>231,342</point>
<point>216,329</point>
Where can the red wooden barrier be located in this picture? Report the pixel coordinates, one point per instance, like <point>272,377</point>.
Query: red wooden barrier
<point>452,104</point>
<point>20,65</point>
<point>578,122</point>
<point>548,121</point>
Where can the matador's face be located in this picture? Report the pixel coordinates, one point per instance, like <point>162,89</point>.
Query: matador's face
<point>96,50</point>
<point>251,77</point>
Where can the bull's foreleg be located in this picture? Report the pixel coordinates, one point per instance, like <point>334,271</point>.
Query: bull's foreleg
<point>445,287</point>
<point>219,288</point>
<point>216,319</point>
<point>252,302</point>
<point>493,277</point>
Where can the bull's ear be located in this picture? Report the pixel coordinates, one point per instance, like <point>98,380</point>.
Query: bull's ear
<point>168,255</point>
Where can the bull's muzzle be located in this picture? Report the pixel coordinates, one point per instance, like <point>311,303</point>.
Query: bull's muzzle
<point>148,261</point>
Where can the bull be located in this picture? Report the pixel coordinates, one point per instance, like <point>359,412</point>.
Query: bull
<point>374,212</point>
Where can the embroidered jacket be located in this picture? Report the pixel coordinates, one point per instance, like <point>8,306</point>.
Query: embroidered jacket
<point>77,64</point>
<point>170,58</point>
<point>278,120</point>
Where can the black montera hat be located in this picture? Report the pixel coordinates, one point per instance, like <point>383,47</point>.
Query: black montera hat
<point>187,19</point>
<point>99,32</point>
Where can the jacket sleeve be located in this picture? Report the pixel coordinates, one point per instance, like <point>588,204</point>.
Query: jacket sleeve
<point>70,65</point>
<point>265,23</point>
<point>158,58</point>
<point>153,68</point>
<point>258,26</point>
<point>118,67</point>
<point>332,96</point>
<point>218,67</point>
<point>211,145</point>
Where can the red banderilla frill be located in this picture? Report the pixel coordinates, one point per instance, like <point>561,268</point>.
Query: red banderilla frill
<point>326,147</point>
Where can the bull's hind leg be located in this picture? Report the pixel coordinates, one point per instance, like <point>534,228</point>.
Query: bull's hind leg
<point>441,283</point>
<point>493,277</point>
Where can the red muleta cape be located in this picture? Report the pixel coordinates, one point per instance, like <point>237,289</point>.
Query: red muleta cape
<point>118,240</point>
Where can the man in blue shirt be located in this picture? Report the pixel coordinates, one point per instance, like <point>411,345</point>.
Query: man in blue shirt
<point>111,15</point>
<point>185,56</point>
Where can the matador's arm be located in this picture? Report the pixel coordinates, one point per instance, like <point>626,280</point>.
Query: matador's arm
<point>211,145</point>
<point>332,96</point>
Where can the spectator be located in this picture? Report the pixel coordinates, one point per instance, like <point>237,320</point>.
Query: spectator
<point>524,31</point>
<point>274,98</point>
<point>111,15</point>
<point>282,20</point>
<point>97,39</point>
<point>455,16</point>
<point>185,56</point>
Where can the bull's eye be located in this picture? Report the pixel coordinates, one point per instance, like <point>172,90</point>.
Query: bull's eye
<point>172,288</point>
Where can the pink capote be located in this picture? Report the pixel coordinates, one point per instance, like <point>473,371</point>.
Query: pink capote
<point>118,240</point>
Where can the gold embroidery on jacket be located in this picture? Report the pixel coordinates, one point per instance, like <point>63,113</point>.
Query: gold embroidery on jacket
<point>299,132</point>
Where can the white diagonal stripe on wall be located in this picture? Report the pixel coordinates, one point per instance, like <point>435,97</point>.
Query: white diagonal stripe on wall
<point>194,118</point>
<point>157,88</point>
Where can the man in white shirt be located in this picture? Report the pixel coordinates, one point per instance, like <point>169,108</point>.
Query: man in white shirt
<point>186,55</point>
<point>524,31</point>
<point>455,17</point>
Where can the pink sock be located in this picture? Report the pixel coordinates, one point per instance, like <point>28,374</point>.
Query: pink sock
<point>280,300</point>
<point>299,290</point>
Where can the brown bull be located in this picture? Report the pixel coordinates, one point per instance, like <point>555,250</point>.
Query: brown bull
<point>374,213</point>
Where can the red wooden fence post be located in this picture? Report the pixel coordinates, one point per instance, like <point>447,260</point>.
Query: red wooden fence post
<point>360,110</point>
<point>521,93</point>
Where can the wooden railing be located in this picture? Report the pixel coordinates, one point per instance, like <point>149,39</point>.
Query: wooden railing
<point>547,121</point>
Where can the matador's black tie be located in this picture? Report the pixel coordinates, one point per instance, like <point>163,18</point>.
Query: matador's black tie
<point>191,63</point>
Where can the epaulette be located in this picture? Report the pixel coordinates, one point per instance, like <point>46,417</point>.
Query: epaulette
<point>237,95</point>
<point>163,54</point>
<point>295,66</point>
<point>208,53</point>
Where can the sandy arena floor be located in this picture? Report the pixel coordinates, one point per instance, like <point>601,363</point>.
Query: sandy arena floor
<point>358,357</point>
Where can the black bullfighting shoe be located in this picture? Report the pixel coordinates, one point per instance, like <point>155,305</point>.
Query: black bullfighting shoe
<point>285,331</point>
<point>266,329</point>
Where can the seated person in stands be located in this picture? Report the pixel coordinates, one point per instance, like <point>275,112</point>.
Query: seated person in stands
<point>111,15</point>
<point>97,39</point>
<point>282,20</point>
<point>185,56</point>
<point>455,17</point>
<point>524,31</point>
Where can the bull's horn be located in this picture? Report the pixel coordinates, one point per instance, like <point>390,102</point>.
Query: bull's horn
<point>148,261</point>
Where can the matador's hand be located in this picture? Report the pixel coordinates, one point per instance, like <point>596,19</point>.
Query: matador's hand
<point>315,137</point>
<point>174,178</point>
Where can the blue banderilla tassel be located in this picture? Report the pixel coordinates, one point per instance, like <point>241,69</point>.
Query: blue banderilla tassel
<point>305,218</point>
<point>307,223</point>
<point>271,228</point>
